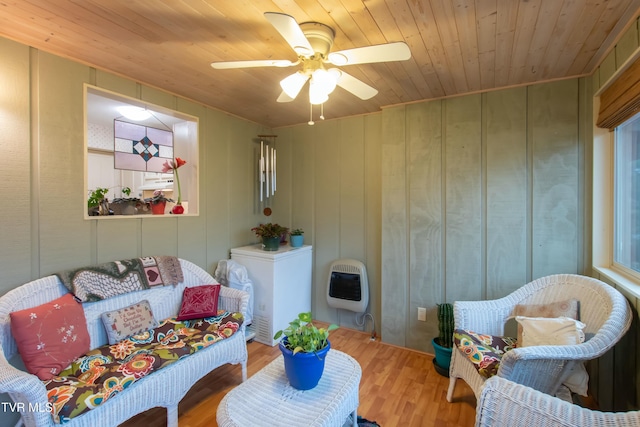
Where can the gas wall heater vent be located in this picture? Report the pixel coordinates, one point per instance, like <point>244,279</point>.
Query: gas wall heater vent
<point>348,287</point>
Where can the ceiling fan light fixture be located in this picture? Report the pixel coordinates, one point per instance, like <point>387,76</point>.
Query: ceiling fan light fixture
<point>326,80</point>
<point>317,95</point>
<point>132,112</point>
<point>292,84</point>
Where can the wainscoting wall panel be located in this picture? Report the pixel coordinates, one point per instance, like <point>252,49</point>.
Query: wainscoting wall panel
<point>507,204</point>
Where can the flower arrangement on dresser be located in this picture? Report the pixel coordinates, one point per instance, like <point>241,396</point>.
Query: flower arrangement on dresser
<point>271,235</point>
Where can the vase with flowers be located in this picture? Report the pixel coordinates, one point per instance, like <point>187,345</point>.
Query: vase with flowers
<point>271,234</point>
<point>158,202</point>
<point>173,165</point>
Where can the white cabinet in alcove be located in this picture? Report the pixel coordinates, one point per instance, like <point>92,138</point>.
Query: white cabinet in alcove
<point>281,285</point>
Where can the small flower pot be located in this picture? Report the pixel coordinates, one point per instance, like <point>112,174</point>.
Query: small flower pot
<point>158,208</point>
<point>296,240</point>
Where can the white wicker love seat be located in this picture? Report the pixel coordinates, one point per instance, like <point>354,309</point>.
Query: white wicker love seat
<point>603,309</point>
<point>505,403</point>
<point>164,388</point>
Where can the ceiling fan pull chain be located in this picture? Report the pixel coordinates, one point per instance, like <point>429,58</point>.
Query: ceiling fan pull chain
<point>311,122</point>
<point>322,111</point>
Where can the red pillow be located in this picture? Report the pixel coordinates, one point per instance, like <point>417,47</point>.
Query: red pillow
<point>199,302</point>
<point>50,336</point>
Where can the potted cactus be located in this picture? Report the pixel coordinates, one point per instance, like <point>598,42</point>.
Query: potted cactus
<point>443,343</point>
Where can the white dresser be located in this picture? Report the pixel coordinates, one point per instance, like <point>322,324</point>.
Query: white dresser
<point>281,283</point>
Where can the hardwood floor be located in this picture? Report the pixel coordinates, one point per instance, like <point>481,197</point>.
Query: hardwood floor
<point>399,387</point>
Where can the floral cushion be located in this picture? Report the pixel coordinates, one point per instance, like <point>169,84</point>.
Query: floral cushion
<point>484,351</point>
<point>102,373</point>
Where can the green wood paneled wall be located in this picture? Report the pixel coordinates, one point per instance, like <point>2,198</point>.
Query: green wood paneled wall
<point>334,195</point>
<point>480,194</point>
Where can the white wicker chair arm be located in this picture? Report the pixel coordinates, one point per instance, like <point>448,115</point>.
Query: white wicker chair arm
<point>233,300</point>
<point>585,351</point>
<point>505,403</point>
<point>17,382</point>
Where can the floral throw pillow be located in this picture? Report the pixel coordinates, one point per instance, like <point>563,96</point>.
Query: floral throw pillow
<point>484,351</point>
<point>50,336</point>
<point>199,302</point>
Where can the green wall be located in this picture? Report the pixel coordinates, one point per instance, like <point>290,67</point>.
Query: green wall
<point>43,229</point>
<point>480,194</point>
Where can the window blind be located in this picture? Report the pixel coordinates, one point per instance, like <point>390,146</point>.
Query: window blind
<point>621,100</point>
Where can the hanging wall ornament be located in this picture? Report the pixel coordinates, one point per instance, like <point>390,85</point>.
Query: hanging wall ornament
<point>267,177</point>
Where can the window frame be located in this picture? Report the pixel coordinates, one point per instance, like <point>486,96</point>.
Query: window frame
<point>188,133</point>
<point>603,218</point>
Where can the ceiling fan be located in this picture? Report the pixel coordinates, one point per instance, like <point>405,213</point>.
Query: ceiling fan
<point>312,42</point>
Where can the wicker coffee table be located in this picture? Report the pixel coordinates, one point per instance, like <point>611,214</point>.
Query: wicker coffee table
<point>267,399</point>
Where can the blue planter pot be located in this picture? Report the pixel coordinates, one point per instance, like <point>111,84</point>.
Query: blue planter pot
<point>296,241</point>
<point>304,370</point>
<point>442,361</point>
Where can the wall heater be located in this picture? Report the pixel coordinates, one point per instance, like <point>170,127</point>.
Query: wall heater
<point>348,287</point>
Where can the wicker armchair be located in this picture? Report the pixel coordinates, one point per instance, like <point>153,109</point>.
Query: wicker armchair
<point>603,309</point>
<point>505,403</point>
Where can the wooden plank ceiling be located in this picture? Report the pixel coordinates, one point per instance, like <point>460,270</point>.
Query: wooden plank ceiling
<point>457,46</point>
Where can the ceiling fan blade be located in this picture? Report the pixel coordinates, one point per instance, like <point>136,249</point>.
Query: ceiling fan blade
<point>224,65</point>
<point>356,86</point>
<point>284,97</point>
<point>291,32</point>
<point>398,51</point>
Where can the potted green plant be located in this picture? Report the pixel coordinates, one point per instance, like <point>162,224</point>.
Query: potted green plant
<point>296,237</point>
<point>443,343</point>
<point>126,205</point>
<point>304,349</point>
<point>97,203</point>
<point>157,202</point>
<point>271,234</point>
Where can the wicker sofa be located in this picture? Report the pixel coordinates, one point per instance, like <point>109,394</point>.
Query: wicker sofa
<point>164,388</point>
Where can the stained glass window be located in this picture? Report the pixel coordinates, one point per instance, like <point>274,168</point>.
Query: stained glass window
<point>141,148</point>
